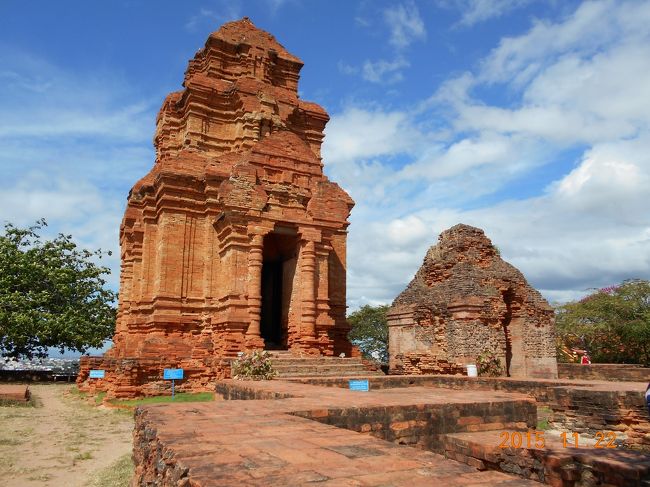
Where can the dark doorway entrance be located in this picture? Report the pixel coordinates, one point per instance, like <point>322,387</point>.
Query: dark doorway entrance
<point>278,269</point>
<point>508,297</point>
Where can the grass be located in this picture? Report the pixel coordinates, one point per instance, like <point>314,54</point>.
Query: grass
<point>543,415</point>
<point>116,475</point>
<point>99,398</point>
<point>10,441</point>
<point>179,397</point>
<point>83,456</point>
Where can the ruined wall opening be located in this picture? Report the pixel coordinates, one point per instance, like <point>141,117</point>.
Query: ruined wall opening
<point>508,297</point>
<point>280,249</point>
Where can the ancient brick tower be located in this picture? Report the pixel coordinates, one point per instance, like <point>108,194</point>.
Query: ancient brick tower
<point>235,239</point>
<point>466,299</point>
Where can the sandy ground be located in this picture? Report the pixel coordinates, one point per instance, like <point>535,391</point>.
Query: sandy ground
<point>62,442</point>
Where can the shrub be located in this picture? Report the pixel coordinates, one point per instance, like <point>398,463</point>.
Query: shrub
<point>488,364</point>
<point>253,366</point>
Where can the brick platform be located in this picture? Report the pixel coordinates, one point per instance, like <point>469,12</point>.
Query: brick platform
<point>579,406</point>
<point>283,440</point>
<point>295,433</point>
<point>14,393</point>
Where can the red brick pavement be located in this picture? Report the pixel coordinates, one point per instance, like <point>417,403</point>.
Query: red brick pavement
<point>257,443</point>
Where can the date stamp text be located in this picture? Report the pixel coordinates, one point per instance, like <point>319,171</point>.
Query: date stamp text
<point>537,440</point>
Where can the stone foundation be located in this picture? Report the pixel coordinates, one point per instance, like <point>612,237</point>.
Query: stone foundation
<point>133,377</point>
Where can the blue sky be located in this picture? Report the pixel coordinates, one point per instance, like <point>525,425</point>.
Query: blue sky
<point>529,119</point>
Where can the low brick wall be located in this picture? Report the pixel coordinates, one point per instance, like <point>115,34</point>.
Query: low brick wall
<point>554,465</point>
<point>242,392</point>
<point>425,427</point>
<point>588,411</point>
<point>10,394</point>
<point>539,389</point>
<point>133,377</point>
<point>609,372</point>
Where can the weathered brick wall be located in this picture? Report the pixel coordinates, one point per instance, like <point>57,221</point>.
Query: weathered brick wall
<point>153,465</point>
<point>144,377</point>
<point>610,372</point>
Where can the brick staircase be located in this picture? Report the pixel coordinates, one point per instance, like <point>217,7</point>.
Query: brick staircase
<point>290,366</point>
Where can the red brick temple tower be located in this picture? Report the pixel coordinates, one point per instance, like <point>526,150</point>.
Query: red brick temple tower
<point>235,240</point>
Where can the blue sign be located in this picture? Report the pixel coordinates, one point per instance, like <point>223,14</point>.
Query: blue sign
<point>96,374</point>
<point>359,385</point>
<point>173,374</point>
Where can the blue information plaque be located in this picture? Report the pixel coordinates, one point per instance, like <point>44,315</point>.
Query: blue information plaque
<point>173,374</point>
<point>96,374</point>
<point>359,385</point>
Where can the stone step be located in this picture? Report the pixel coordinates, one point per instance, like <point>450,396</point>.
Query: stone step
<point>324,366</point>
<point>315,369</point>
<point>349,375</point>
<point>311,363</point>
<point>329,373</point>
<point>317,363</point>
<point>289,365</point>
<point>553,463</point>
<point>283,358</point>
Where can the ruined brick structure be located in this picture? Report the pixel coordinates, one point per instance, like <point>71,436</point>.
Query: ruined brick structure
<point>235,240</point>
<point>463,300</point>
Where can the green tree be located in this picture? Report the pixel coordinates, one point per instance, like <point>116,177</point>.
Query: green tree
<point>613,324</point>
<point>370,331</point>
<point>51,294</point>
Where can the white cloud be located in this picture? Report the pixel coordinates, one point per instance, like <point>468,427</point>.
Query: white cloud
<point>72,146</point>
<point>383,71</point>
<point>359,133</point>
<point>570,92</point>
<point>578,96</point>
<point>405,24</point>
<point>41,100</point>
<point>223,11</point>
<point>476,11</point>
<point>71,205</point>
<point>591,28</point>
